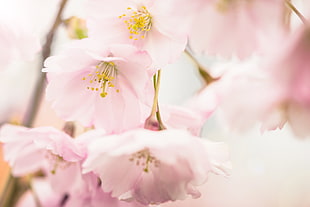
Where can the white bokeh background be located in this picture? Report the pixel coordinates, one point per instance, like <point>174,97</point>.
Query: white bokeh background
<point>269,170</point>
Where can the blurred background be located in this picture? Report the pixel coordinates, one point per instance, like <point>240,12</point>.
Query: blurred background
<point>269,170</point>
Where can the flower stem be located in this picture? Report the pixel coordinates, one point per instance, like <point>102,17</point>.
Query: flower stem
<point>11,191</point>
<point>154,121</point>
<point>287,17</point>
<point>207,78</point>
<point>296,11</point>
<point>156,79</point>
<point>158,116</point>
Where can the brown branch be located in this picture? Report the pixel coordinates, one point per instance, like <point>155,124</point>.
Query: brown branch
<point>12,189</point>
<point>40,86</point>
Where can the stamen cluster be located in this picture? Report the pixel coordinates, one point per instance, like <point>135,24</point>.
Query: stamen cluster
<point>102,78</point>
<point>144,158</point>
<point>138,22</point>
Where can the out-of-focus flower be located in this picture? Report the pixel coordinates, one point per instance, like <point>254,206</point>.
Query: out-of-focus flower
<point>243,95</point>
<point>234,27</point>
<point>154,166</point>
<point>44,193</point>
<point>89,194</point>
<point>278,87</point>
<point>204,102</point>
<point>154,26</point>
<point>106,88</point>
<point>58,156</point>
<point>28,150</point>
<point>290,77</point>
<point>181,117</point>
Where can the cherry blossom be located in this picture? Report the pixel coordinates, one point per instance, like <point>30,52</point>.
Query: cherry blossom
<point>154,166</point>
<point>278,87</point>
<point>290,75</point>
<point>150,25</point>
<point>47,148</point>
<point>232,92</point>
<point>108,88</point>
<point>28,150</point>
<point>234,27</point>
<point>89,193</point>
<point>45,194</point>
<point>182,117</point>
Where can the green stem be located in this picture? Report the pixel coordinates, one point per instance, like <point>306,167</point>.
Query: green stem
<point>158,116</point>
<point>156,82</point>
<point>154,121</point>
<point>155,99</point>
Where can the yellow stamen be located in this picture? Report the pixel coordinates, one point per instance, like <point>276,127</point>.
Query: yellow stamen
<point>102,78</point>
<point>138,22</point>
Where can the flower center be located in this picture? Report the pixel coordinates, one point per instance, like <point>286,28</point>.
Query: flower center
<point>102,78</point>
<point>56,162</point>
<point>145,159</point>
<point>138,22</point>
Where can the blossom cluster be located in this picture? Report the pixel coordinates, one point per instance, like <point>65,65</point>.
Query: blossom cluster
<point>134,150</point>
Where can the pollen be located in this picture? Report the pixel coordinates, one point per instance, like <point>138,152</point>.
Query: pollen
<point>138,22</point>
<point>56,162</point>
<point>144,159</point>
<point>102,78</point>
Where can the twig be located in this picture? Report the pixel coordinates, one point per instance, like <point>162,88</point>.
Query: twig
<point>40,86</point>
<point>11,190</point>
<point>295,10</point>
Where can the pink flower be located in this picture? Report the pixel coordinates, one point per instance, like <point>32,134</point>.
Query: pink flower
<point>107,88</point>
<point>51,198</point>
<point>204,102</point>
<point>243,95</point>
<point>28,150</point>
<point>290,77</point>
<point>153,167</point>
<point>89,193</point>
<point>154,26</point>
<point>278,88</point>
<point>181,117</point>
<point>239,27</point>
<point>46,196</point>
